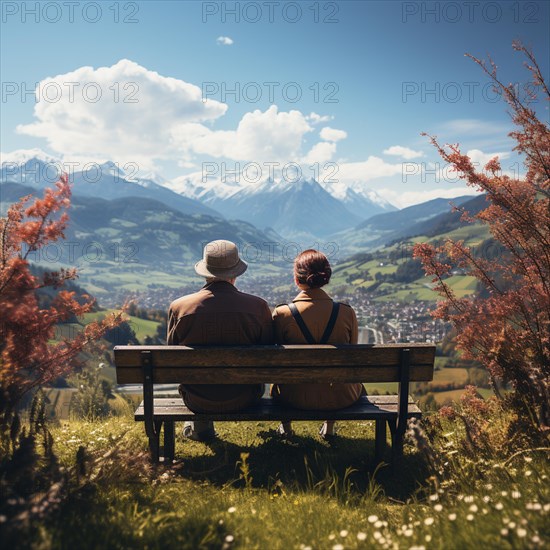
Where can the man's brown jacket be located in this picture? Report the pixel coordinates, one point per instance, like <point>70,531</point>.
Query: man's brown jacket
<point>219,315</point>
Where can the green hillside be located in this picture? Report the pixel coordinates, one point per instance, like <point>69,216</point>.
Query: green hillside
<point>376,271</point>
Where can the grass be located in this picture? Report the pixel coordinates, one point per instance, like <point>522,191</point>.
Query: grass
<point>142,327</point>
<point>250,490</point>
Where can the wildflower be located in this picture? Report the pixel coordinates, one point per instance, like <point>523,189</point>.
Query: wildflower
<point>408,532</point>
<point>499,506</point>
<point>535,539</point>
<point>428,538</point>
<point>469,499</point>
<point>489,486</point>
<point>231,510</point>
<point>546,507</point>
<point>361,536</point>
<point>504,532</point>
<point>433,497</point>
<point>504,493</point>
<point>452,516</point>
<point>521,532</point>
<point>528,473</point>
<point>473,508</point>
<point>428,521</point>
<point>377,535</point>
<point>229,539</point>
<point>379,524</point>
<point>512,525</point>
<point>337,547</point>
<point>372,519</point>
<point>486,498</point>
<point>343,533</point>
<point>332,536</point>
<point>470,517</point>
<point>438,507</point>
<point>516,494</point>
<point>528,458</point>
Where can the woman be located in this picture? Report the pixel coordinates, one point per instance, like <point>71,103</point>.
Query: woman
<point>313,318</point>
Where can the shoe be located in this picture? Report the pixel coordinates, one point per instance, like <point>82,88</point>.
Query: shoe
<point>204,436</point>
<point>283,432</point>
<point>325,435</point>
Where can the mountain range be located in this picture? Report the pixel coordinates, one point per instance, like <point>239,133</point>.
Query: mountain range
<point>302,212</point>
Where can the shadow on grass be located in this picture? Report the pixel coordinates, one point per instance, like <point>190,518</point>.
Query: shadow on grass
<point>301,463</point>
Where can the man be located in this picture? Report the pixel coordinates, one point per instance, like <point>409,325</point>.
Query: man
<point>218,315</point>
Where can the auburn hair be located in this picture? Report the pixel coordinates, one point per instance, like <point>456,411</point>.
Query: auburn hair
<point>312,268</point>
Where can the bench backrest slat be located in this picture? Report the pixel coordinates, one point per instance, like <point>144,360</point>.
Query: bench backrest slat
<point>275,364</point>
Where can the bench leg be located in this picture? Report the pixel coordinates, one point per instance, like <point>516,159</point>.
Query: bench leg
<point>154,446</point>
<point>380,439</point>
<point>397,438</point>
<point>169,441</point>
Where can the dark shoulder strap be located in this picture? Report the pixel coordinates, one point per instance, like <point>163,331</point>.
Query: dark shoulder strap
<point>331,323</point>
<point>305,331</point>
<point>300,322</point>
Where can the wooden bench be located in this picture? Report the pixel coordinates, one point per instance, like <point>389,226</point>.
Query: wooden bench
<point>150,365</point>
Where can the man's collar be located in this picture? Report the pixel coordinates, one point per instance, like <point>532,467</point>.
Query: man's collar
<point>312,294</point>
<point>219,285</point>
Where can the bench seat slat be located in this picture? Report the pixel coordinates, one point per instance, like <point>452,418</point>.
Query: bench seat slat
<point>367,408</point>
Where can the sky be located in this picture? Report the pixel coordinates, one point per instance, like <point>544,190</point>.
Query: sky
<point>340,91</point>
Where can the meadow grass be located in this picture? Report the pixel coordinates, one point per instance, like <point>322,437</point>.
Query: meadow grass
<point>249,490</point>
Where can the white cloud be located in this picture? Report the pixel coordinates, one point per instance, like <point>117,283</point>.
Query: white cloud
<point>370,169</point>
<point>408,198</point>
<point>404,152</point>
<point>268,136</point>
<point>224,41</point>
<point>331,134</point>
<point>315,118</point>
<point>480,159</point>
<point>320,153</point>
<point>132,120</point>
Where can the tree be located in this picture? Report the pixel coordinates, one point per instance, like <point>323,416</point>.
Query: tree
<point>507,327</point>
<point>28,357</point>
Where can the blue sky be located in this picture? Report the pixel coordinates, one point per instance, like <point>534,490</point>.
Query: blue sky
<point>374,74</point>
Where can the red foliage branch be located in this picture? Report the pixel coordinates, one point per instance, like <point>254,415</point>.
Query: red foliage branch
<point>28,357</point>
<point>507,329</point>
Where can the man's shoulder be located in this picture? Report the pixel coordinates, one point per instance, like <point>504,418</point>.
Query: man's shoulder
<point>187,299</point>
<point>252,298</point>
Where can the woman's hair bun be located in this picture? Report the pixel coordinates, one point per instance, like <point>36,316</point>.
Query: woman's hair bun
<point>312,268</point>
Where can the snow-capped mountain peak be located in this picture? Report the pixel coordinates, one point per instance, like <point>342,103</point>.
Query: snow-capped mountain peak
<point>22,156</point>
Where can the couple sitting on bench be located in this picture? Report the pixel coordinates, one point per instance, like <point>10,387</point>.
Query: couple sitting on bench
<point>221,315</point>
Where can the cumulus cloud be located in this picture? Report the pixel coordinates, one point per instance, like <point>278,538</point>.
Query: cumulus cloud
<point>370,169</point>
<point>224,41</point>
<point>331,134</point>
<point>123,112</point>
<point>320,153</point>
<point>403,152</point>
<point>315,118</point>
<point>268,136</point>
<point>480,159</point>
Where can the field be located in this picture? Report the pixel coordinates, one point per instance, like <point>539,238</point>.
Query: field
<point>250,490</point>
